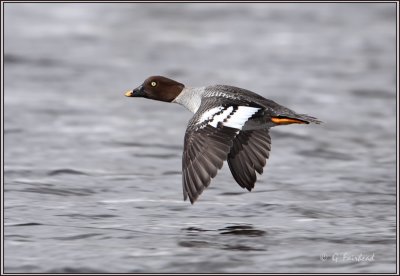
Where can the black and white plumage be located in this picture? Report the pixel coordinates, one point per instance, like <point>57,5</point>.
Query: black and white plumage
<point>229,123</point>
<point>209,139</point>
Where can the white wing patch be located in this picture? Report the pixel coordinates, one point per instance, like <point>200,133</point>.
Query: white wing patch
<point>234,117</point>
<point>208,115</point>
<point>221,117</point>
<point>240,117</point>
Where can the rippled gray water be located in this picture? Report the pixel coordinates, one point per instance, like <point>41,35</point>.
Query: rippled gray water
<point>92,178</point>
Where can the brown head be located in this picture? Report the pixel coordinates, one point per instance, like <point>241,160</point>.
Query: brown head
<point>157,88</point>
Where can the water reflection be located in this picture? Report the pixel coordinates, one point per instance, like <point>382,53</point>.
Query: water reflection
<point>231,237</point>
<point>242,230</point>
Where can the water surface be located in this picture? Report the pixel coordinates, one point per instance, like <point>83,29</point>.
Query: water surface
<point>92,179</point>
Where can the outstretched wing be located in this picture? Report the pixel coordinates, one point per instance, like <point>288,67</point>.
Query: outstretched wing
<point>208,141</point>
<point>248,155</point>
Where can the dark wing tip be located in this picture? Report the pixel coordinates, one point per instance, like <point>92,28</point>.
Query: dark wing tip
<point>193,200</point>
<point>204,153</point>
<point>248,155</point>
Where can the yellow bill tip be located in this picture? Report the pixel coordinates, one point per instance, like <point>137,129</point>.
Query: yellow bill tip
<point>129,93</point>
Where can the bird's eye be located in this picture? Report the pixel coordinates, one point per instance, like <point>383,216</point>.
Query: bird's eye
<point>153,83</point>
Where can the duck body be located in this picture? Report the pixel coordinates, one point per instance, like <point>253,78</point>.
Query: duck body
<point>229,123</point>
